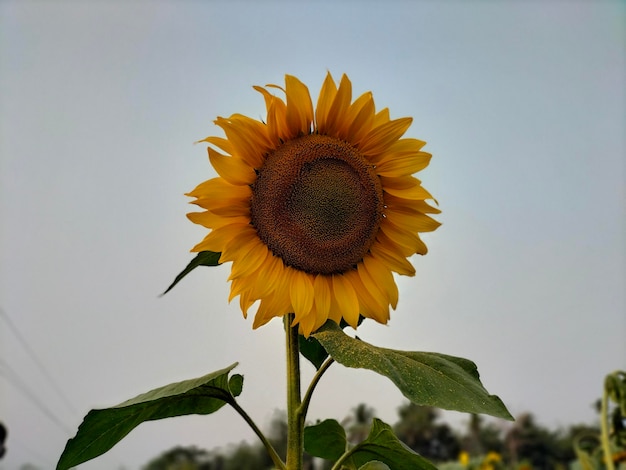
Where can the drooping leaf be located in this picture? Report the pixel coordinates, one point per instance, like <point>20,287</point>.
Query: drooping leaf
<point>382,445</point>
<point>326,440</point>
<point>312,350</point>
<point>425,378</point>
<point>235,385</point>
<point>374,465</point>
<point>102,429</point>
<point>204,258</point>
<point>615,387</point>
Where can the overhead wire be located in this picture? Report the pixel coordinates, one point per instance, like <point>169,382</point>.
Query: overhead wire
<point>14,442</point>
<point>31,353</point>
<point>12,376</point>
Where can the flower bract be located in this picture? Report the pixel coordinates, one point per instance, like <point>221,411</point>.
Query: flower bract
<point>316,208</point>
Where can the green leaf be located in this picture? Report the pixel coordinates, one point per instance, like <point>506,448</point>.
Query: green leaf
<point>235,385</point>
<point>374,465</point>
<point>382,445</point>
<point>312,350</point>
<point>326,440</point>
<point>424,378</point>
<point>204,258</point>
<point>102,429</point>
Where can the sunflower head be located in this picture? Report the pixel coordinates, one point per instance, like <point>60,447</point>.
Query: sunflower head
<point>315,208</point>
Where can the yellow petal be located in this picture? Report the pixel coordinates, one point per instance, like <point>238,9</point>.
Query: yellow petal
<point>266,311</point>
<point>220,143</point>
<point>400,149</point>
<point>216,240</point>
<point>301,294</point>
<point>238,287</point>
<point>277,129</point>
<point>277,122</point>
<point>347,300</point>
<point>343,131</point>
<point>248,137</point>
<point>299,106</point>
<point>405,187</point>
<point>225,207</point>
<point>269,98</point>
<point>232,169</point>
<point>407,206</point>
<point>205,188</point>
<point>247,263</point>
<point>209,220</point>
<point>402,164</point>
<point>408,241</point>
<point>245,302</point>
<point>219,188</point>
<point>405,251</point>
<point>368,306</point>
<point>382,137</point>
<point>373,288</point>
<point>383,277</point>
<point>239,245</point>
<point>421,249</point>
<point>321,288</point>
<point>324,102</point>
<point>276,304</point>
<point>335,312</point>
<point>362,122</point>
<point>381,117</point>
<point>273,273</point>
<point>415,222</point>
<point>338,109</point>
<point>393,260</point>
<point>228,207</point>
<point>306,325</point>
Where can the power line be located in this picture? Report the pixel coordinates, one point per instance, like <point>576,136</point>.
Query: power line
<point>37,362</point>
<point>12,376</point>
<point>9,373</point>
<point>12,443</point>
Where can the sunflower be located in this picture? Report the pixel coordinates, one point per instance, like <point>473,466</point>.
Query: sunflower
<point>315,208</point>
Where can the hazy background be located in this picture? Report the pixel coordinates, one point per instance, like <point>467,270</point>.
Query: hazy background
<point>523,108</point>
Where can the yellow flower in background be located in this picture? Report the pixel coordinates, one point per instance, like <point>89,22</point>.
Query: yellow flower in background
<point>464,458</point>
<point>315,208</point>
<point>491,461</point>
<point>493,457</point>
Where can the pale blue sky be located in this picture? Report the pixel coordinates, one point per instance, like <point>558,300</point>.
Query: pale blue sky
<point>523,108</point>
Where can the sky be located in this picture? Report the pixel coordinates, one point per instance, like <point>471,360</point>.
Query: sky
<point>523,107</point>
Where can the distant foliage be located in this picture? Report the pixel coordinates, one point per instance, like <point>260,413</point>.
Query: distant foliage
<point>483,444</point>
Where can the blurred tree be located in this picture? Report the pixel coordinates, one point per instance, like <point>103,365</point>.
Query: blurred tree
<point>182,458</point>
<point>246,457</point>
<point>482,437</point>
<point>358,424</point>
<point>419,429</point>
<point>529,442</point>
<point>243,456</point>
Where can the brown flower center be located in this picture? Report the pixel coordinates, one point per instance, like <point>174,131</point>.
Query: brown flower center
<point>317,203</point>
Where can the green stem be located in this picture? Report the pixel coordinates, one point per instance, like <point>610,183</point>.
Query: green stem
<point>604,417</point>
<point>295,418</point>
<point>343,458</point>
<point>316,378</point>
<point>268,445</point>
